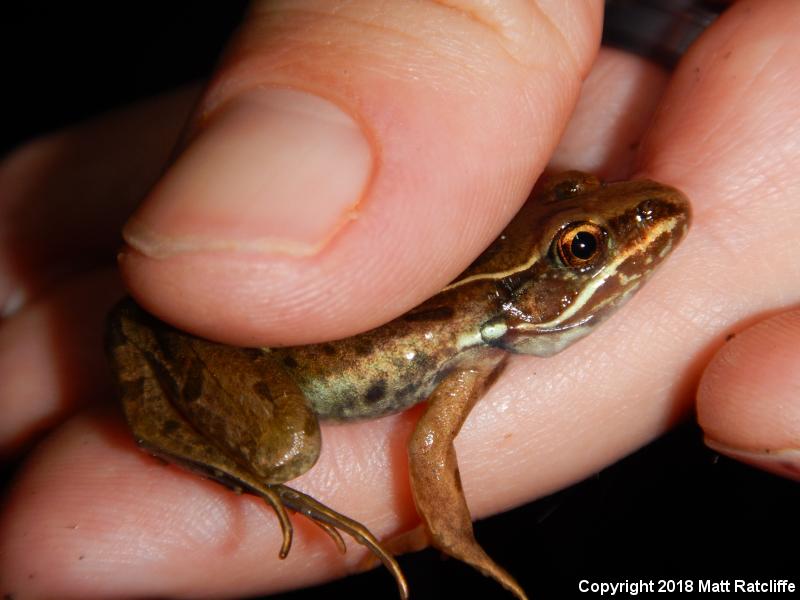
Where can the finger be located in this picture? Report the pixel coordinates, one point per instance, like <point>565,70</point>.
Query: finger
<point>93,513</point>
<point>728,138</point>
<point>747,401</point>
<point>639,372</point>
<point>51,359</point>
<point>614,110</point>
<point>65,196</point>
<point>142,127</point>
<point>538,429</point>
<point>347,161</point>
<point>527,437</point>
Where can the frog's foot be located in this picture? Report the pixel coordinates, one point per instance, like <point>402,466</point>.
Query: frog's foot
<point>331,521</point>
<point>435,481</point>
<point>280,497</point>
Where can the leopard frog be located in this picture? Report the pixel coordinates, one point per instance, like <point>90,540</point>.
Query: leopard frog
<point>248,417</point>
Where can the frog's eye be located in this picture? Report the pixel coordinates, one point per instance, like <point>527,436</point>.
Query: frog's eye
<point>578,245</point>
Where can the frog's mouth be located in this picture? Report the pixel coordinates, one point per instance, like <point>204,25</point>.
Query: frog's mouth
<point>529,338</point>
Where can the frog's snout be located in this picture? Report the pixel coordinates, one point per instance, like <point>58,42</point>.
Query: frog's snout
<point>669,211</point>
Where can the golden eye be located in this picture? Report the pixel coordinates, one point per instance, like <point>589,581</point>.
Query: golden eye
<point>578,244</point>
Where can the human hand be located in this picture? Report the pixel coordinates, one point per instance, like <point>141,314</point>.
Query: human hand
<point>442,190</point>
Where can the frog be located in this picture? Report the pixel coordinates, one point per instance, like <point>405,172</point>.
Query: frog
<point>249,417</point>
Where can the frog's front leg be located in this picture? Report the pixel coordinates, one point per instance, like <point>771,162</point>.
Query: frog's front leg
<point>229,413</point>
<point>435,480</point>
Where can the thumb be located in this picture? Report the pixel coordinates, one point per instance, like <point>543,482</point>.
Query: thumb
<point>349,158</point>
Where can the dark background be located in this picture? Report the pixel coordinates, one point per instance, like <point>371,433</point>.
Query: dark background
<point>673,510</point>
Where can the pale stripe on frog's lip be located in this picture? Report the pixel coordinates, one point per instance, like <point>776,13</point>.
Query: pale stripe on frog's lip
<point>586,294</point>
<point>494,329</point>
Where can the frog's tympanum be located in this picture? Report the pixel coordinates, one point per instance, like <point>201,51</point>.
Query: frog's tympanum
<point>248,417</point>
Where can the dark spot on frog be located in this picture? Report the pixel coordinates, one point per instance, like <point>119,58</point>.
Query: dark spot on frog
<point>289,362</point>
<point>439,313</point>
<point>363,348</point>
<point>253,353</point>
<point>729,337</point>
<point>168,342</point>
<point>261,388</point>
<point>162,375</point>
<point>376,392</point>
<point>81,557</point>
<point>169,427</point>
<point>328,349</point>
<point>193,385</point>
<point>421,363</point>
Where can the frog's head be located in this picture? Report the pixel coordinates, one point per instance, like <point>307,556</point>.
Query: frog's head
<point>593,247</point>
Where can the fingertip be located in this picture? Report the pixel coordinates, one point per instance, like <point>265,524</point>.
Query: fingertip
<point>50,358</point>
<point>747,400</point>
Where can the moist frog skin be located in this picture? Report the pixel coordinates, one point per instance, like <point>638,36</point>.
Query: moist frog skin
<point>249,417</point>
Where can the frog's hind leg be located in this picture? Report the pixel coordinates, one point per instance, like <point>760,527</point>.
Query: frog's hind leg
<point>215,464</point>
<point>435,481</point>
<point>281,496</point>
<point>230,414</point>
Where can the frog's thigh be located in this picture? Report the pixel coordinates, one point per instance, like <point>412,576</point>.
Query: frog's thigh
<point>207,404</point>
<point>160,429</point>
<point>433,468</point>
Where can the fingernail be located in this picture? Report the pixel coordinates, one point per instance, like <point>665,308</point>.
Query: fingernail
<point>273,171</point>
<point>783,462</point>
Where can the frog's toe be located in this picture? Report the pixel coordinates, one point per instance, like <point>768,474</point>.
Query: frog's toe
<point>333,533</point>
<point>274,500</point>
<point>331,521</point>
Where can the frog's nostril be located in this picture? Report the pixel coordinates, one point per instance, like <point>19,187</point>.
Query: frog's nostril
<point>647,210</point>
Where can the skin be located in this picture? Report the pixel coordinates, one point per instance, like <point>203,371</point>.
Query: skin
<point>246,417</point>
<point>725,91</point>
